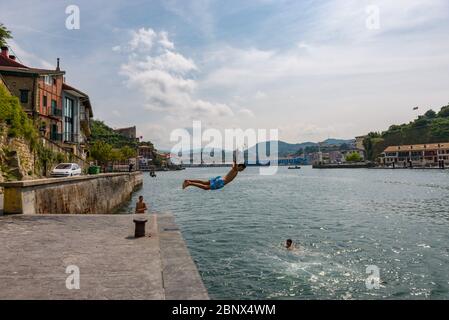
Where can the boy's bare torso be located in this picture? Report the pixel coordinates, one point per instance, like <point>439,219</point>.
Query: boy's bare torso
<point>231,174</point>
<point>141,207</point>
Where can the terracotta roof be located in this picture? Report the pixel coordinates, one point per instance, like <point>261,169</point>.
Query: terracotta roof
<point>7,62</point>
<point>418,147</point>
<point>32,71</point>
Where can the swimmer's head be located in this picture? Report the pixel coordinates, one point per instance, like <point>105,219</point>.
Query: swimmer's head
<point>288,243</point>
<point>140,198</point>
<point>241,167</point>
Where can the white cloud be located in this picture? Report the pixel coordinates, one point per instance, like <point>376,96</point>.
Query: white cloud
<point>340,70</point>
<point>164,77</point>
<point>165,42</point>
<point>142,39</point>
<point>29,59</point>
<point>246,113</point>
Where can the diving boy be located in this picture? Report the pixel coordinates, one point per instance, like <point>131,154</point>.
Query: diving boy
<point>217,182</point>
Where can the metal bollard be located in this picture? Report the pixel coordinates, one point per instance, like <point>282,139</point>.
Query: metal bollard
<point>140,227</point>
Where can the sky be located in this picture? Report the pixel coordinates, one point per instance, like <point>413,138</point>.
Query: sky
<point>312,69</point>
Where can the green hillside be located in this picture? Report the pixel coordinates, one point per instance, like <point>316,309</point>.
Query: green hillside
<point>101,132</point>
<point>108,145</point>
<point>432,127</point>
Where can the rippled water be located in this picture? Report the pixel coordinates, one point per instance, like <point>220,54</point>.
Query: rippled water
<point>344,220</point>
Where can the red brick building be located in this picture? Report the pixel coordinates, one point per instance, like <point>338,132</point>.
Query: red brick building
<point>60,111</point>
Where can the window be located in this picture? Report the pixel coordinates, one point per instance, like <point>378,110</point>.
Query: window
<point>24,96</point>
<point>53,107</point>
<point>48,80</point>
<point>44,101</point>
<point>54,81</point>
<point>68,119</point>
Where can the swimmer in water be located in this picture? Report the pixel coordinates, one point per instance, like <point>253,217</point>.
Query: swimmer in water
<point>289,244</point>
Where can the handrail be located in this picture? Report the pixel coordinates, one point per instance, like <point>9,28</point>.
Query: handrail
<point>62,149</point>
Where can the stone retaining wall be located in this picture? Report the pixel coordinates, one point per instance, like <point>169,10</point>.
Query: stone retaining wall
<point>95,194</point>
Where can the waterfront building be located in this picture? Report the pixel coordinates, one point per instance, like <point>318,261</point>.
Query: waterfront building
<point>292,161</point>
<point>335,157</point>
<point>77,113</point>
<point>39,93</point>
<point>421,155</point>
<point>359,142</point>
<point>61,112</point>
<point>145,152</point>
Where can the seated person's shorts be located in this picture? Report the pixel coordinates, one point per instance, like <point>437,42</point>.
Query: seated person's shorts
<point>216,183</point>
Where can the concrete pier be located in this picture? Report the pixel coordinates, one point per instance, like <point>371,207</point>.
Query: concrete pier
<point>38,250</point>
<point>91,194</point>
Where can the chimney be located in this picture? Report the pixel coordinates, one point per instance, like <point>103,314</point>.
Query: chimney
<point>12,57</point>
<point>5,52</point>
<point>57,65</point>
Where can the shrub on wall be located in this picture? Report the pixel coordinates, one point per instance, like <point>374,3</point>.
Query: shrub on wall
<point>19,125</point>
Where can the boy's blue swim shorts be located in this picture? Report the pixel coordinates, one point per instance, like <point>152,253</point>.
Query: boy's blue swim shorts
<point>216,183</point>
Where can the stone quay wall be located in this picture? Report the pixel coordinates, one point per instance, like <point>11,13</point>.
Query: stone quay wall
<point>93,194</point>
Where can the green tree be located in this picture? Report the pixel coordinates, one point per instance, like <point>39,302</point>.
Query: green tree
<point>128,152</point>
<point>444,112</point>
<point>353,157</point>
<point>101,151</point>
<point>115,155</point>
<point>439,130</point>
<point>430,114</point>
<point>5,34</point>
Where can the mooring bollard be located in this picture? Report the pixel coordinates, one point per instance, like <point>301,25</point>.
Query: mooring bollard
<point>140,227</point>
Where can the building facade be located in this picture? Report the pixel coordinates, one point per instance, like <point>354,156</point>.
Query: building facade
<point>58,109</point>
<point>77,112</point>
<point>421,155</point>
<point>130,132</point>
<point>359,142</point>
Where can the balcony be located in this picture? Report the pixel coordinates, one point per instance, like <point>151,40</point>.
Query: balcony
<point>71,138</point>
<point>57,137</point>
<point>55,112</point>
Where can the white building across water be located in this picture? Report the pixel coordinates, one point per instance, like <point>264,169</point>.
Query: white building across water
<point>421,155</point>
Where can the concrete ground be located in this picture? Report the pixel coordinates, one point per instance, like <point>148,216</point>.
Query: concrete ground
<point>36,250</point>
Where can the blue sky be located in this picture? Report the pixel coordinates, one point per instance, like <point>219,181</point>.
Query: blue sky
<point>312,69</point>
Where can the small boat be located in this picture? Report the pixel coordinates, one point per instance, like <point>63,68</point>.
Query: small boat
<point>294,168</point>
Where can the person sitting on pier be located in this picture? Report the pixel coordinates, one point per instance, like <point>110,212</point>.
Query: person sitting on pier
<point>141,206</point>
<point>217,182</point>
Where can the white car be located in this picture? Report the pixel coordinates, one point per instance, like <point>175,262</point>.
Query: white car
<point>66,170</point>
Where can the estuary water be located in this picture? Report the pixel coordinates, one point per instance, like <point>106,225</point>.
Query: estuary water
<point>343,220</point>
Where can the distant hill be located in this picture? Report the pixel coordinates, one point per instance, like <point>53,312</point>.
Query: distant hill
<point>338,142</point>
<point>284,148</point>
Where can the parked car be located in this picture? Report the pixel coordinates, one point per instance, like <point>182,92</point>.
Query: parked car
<point>66,170</point>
